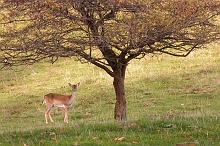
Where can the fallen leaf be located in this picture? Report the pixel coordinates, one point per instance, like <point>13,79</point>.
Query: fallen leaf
<point>54,138</point>
<point>41,142</point>
<point>63,129</point>
<point>134,142</point>
<point>152,99</point>
<point>93,137</point>
<point>119,139</point>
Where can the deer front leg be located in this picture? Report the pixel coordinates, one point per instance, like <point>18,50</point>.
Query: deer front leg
<point>46,118</point>
<point>66,115</point>
<point>47,113</point>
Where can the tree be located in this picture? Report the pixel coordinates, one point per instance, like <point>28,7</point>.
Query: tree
<point>106,33</point>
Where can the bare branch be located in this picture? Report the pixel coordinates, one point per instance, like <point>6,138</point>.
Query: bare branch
<point>180,55</point>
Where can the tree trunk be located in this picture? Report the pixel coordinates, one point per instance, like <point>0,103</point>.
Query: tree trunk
<point>120,105</point>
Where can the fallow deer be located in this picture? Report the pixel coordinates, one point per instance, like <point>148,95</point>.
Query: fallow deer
<point>64,101</point>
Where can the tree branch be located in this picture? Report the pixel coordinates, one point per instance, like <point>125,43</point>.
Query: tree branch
<point>179,55</point>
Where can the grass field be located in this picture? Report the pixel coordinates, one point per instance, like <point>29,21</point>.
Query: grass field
<point>169,101</point>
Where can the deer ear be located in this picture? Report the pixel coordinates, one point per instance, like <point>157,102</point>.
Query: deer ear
<point>70,84</point>
<point>78,84</point>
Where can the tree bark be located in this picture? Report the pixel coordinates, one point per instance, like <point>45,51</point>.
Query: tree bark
<point>120,105</point>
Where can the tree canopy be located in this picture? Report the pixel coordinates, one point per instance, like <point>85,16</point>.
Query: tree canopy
<point>106,33</point>
<point>35,30</point>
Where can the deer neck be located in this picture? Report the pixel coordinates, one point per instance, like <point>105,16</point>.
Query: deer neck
<point>73,97</point>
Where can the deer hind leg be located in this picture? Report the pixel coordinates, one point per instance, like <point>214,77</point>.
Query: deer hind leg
<point>47,113</point>
<point>66,115</point>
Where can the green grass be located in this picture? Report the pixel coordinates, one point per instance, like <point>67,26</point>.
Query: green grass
<point>169,100</point>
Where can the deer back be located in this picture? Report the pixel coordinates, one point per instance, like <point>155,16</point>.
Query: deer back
<point>57,99</point>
